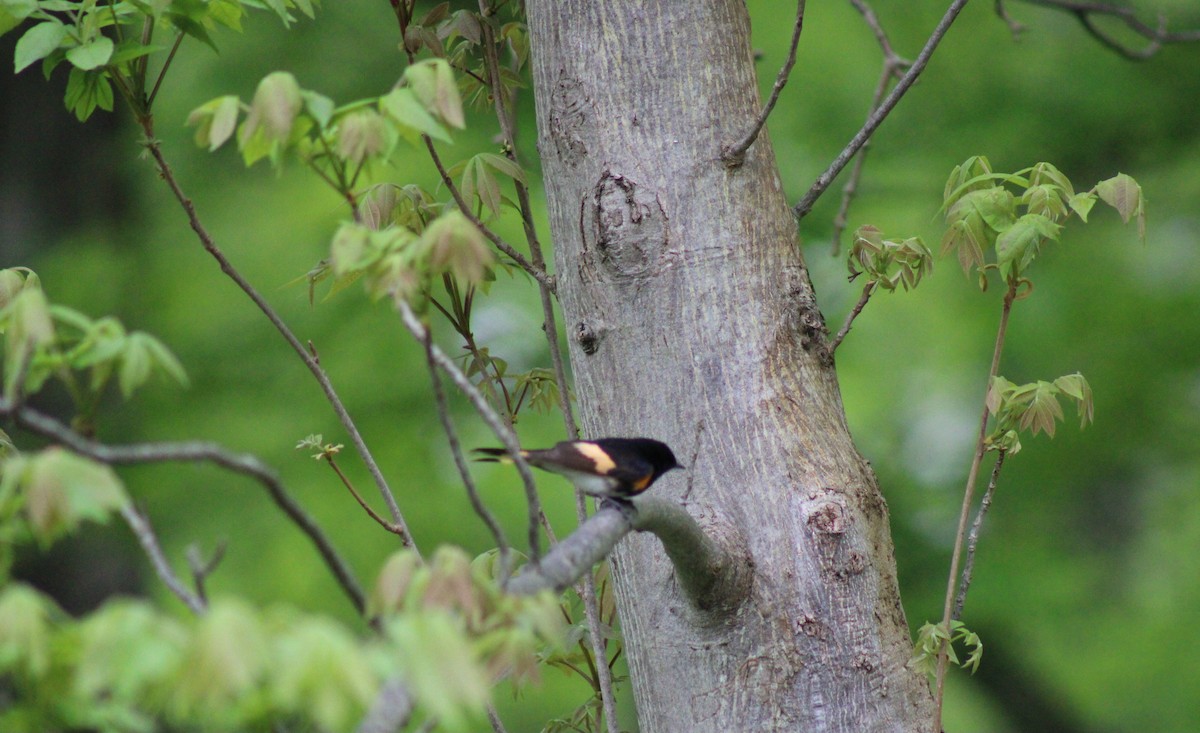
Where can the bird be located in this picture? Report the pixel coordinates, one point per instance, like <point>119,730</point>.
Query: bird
<point>616,468</point>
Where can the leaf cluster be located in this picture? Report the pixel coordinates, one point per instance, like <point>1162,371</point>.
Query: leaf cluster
<point>887,263</point>
<point>108,44</point>
<point>932,638</point>
<point>1033,407</point>
<point>991,227</point>
<point>44,341</point>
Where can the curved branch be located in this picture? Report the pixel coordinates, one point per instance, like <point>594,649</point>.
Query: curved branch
<point>714,570</point>
<point>1086,12</point>
<point>193,452</point>
<point>876,119</point>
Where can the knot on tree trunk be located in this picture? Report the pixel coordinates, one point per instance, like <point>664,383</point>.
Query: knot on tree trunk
<point>624,230</point>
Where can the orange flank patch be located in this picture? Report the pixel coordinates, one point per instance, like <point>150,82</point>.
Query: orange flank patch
<point>643,482</point>
<point>604,464</point>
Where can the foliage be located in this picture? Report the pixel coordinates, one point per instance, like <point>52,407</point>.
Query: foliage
<point>932,638</point>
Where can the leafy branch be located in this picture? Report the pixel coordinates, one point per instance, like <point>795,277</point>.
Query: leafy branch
<point>994,231</point>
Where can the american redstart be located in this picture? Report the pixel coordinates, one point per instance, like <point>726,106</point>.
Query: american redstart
<point>614,467</point>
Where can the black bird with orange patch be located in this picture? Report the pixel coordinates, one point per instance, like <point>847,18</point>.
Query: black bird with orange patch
<point>619,468</point>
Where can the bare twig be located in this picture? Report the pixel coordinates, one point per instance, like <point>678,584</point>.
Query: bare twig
<point>389,526</point>
<point>973,539</point>
<point>145,536</point>
<point>201,569</point>
<point>1086,12</point>
<point>868,289</point>
<point>443,410</point>
<point>493,419</point>
<point>876,119</point>
<point>1015,28</point>
<point>735,154</point>
<point>893,68</point>
<point>193,452</point>
<point>309,360</point>
<point>968,496</point>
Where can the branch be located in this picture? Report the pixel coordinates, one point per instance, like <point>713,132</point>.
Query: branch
<point>481,510</point>
<point>973,538</point>
<point>713,573</point>
<point>145,535</point>
<point>968,495</point>
<point>1085,13</point>
<point>310,361</point>
<point>193,452</point>
<point>801,209</point>
<point>489,415</point>
<point>893,68</point>
<point>734,155</point>
<point>868,289</point>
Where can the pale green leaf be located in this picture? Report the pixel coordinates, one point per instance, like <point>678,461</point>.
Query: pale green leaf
<point>91,55</point>
<point>37,43</point>
<point>404,107</point>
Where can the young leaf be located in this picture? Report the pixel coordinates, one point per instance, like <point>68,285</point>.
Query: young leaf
<point>215,121</point>
<point>63,489</point>
<point>37,43</point>
<point>404,107</point>
<point>12,12</point>
<point>276,103</point>
<point>91,55</point>
<point>456,246</point>
<point>433,84</point>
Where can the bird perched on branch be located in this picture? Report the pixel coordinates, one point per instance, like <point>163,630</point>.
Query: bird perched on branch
<point>618,468</point>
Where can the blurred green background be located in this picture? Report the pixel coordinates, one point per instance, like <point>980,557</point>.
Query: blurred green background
<point>1087,583</point>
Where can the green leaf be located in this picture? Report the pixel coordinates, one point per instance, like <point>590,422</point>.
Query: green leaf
<point>87,90</point>
<point>361,135</point>
<point>63,489</point>
<point>433,83</point>
<point>91,55</point>
<point>404,107</point>
<point>222,669</point>
<point>277,102</point>
<point>1018,245</point>
<point>1043,410</point>
<point>455,245</point>
<point>321,674</point>
<point>215,121</point>
<point>1125,195</point>
<point>37,43</point>
<point>440,664</point>
<point>25,631</point>
<point>1081,204</point>
<point>319,107</point>
<point>12,12</point>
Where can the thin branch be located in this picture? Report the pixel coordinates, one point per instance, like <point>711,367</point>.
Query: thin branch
<point>389,526</point>
<point>1086,12</point>
<point>893,68</point>
<point>801,209</point>
<point>489,415</point>
<point>735,154</point>
<point>309,360</point>
<point>443,410</point>
<point>201,569</point>
<point>867,291</point>
<point>968,496</point>
<point>193,452</point>
<point>145,536</point>
<point>973,539</point>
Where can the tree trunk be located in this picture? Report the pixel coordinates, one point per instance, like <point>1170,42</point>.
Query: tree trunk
<point>692,320</point>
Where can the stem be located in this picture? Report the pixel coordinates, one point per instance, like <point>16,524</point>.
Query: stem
<point>145,535</point>
<point>734,155</point>
<point>500,428</point>
<point>973,538</point>
<point>162,73</point>
<point>968,496</point>
<point>309,360</point>
<point>868,289</point>
<point>443,410</point>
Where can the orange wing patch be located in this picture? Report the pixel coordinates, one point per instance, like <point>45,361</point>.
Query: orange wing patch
<point>643,482</point>
<point>597,455</point>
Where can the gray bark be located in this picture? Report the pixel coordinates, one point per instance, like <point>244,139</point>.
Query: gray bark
<point>692,320</point>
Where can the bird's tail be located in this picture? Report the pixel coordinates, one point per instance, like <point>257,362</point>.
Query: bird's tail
<point>492,455</point>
